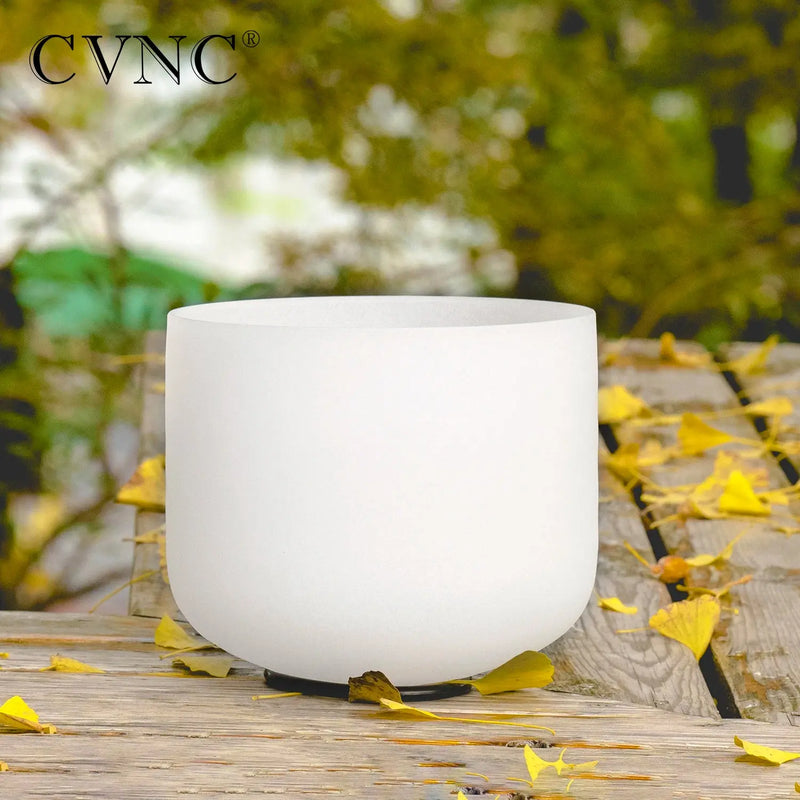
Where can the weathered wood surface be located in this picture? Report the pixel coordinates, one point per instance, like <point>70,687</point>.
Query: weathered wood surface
<point>144,736</point>
<point>591,658</point>
<point>758,648</point>
<point>151,596</point>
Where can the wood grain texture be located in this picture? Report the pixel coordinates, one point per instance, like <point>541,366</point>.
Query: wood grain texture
<point>593,659</point>
<point>144,736</point>
<point>151,596</point>
<point>758,648</point>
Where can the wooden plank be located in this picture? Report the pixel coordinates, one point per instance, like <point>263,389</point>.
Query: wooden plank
<point>593,659</point>
<point>765,642</point>
<point>144,736</point>
<point>757,649</point>
<point>151,596</point>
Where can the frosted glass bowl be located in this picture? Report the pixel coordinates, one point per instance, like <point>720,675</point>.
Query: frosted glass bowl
<point>406,484</point>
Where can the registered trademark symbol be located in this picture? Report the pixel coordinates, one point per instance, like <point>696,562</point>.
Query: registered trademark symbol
<point>250,38</point>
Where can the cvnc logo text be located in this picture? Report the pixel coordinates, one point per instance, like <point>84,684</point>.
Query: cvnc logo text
<point>106,66</point>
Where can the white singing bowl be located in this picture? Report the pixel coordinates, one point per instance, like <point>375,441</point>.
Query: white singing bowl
<point>406,484</point>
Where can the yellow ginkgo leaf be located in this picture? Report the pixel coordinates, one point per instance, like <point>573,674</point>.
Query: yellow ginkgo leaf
<point>536,764</point>
<point>16,714</point>
<point>719,591</point>
<point>64,664</point>
<point>707,559</point>
<point>773,407</point>
<point>690,622</point>
<point>528,670</point>
<point>147,487</point>
<point>410,712</point>
<point>760,754</point>
<point>695,436</point>
<point>218,666</point>
<point>797,787</point>
<point>616,404</point>
<point>668,353</point>
<point>400,709</point>
<point>461,795</point>
<point>615,604</point>
<point>756,360</point>
<point>740,498</point>
<point>4,767</point>
<point>170,634</point>
<point>3,655</point>
<point>371,687</point>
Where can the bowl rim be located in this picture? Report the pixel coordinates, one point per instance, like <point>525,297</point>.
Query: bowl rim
<point>380,312</point>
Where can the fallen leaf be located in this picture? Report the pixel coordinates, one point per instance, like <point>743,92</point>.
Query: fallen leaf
<point>740,498</point>
<point>146,487</point>
<point>616,404</point>
<point>215,665</point>
<point>410,712</point>
<point>615,604</point>
<point>15,713</point>
<point>64,664</point>
<point>760,754</point>
<point>707,559</point>
<point>371,687</point>
<point>536,764</point>
<point>719,591</point>
<point>170,634</point>
<point>691,622</point>
<point>157,536</point>
<point>668,353</point>
<point>772,407</point>
<point>3,766</point>
<point>528,670</point>
<point>696,436</point>
<point>3,655</point>
<point>273,696</point>
<point>754,361</point>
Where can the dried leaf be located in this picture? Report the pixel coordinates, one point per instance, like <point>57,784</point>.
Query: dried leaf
<point>615,604</point>
<point>157,536</point>
<point>147,487</point>
<point>15,713</point>
<point>670,355</point>
<point>410,712</point>
<point>616,404</point>
<point>536,764</point>
<point>218,666</point>
<point>528,670</point>
<point>756,360</point>
<point>719,591</point>
<point>63,664</point>
<point>707,559</point>
<point>170,634</point>
<point>691,622</point>
<point>760,754</point>
<point>740,498</point>
<point>371,687</point>
<point>772,407</point>
<point>695,436</point>
<point>669,569</point>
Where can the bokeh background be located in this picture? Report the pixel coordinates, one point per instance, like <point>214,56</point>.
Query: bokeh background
<point>639,156</point>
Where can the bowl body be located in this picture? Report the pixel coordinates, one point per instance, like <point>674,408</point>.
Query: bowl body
<point>406,484</point>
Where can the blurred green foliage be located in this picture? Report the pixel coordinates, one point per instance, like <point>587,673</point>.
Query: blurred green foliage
<point>639,157</point>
